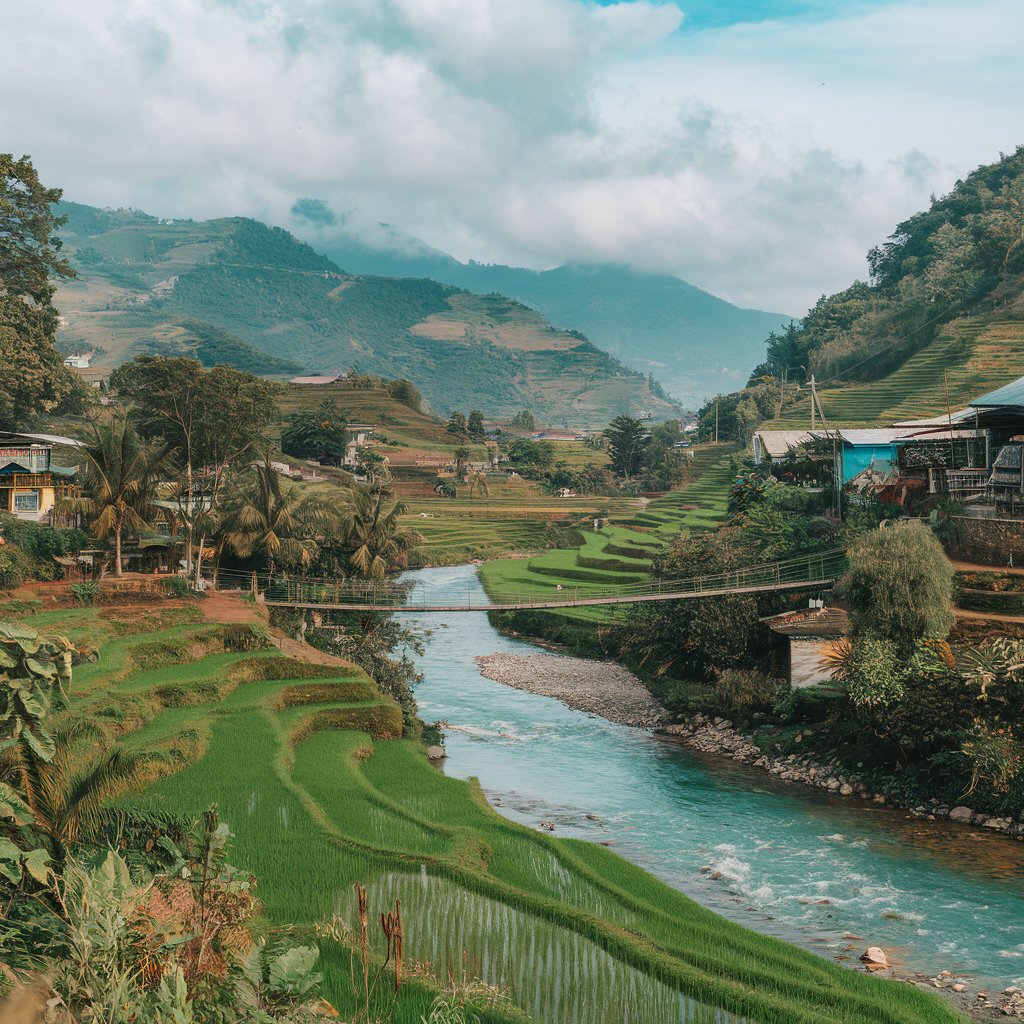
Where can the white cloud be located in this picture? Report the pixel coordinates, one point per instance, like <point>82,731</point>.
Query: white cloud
<point>759,161</point>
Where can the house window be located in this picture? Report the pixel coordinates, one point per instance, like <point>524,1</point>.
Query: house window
<point>27,502</point>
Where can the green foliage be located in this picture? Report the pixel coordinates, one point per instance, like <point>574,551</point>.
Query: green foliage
<point>35,671</point>
<point>899,585</point>
<point>35,378</point>
<point>86,592</point>
<point>120,477</point>
<point>320,435</point>
<point>627,443</point>
<point>177,587</point>
<point>475,424</point>
<point>457,425</point>
<point>211,346</point>
<point>407,393</point>
<point>693,639</point>
<point>742,693</point>
<point>523,421</point>
<point>875,673</point>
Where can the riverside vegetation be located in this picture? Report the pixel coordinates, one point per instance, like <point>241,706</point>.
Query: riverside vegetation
<point>310,769</point>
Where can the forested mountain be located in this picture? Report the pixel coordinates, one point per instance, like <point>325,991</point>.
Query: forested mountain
<point>237,291</point>
<point>944,304</point>
<point>694,343</point>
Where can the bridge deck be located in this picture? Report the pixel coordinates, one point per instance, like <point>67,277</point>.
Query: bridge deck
<point>473,604</point>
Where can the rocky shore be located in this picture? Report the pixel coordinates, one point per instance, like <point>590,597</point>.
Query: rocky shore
<point>717,736</point>
<point>598,687</point>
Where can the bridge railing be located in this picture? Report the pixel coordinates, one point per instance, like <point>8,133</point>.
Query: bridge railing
<point>302,591</point>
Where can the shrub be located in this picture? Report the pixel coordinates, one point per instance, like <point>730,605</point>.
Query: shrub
<point>899,585</point>
<point>85,592</point>
<point>742,693</point>
<point>245,637</point>
<point>178,586</point>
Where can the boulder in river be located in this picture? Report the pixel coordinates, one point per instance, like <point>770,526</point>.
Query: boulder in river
<point>436,753</point>
<point>874,959</point>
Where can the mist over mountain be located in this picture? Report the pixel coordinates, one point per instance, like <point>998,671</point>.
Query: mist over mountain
<point>695,343</point>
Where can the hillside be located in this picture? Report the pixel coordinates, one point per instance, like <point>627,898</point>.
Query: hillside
<point>694,343</point>
<point>946,297</point>
<point>258,298</point>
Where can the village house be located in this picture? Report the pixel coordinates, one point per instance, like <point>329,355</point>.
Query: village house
<point>807,643</point>
<point>79,361</point>
<point>30,483</point>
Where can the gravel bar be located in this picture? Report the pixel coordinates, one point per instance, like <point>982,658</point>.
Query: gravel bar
<point>598,687</point>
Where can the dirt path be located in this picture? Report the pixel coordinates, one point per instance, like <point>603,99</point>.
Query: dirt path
<point>230,606</point>
<point>1005,570</point>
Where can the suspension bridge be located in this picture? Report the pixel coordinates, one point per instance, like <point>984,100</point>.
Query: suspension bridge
<point>806,572</point>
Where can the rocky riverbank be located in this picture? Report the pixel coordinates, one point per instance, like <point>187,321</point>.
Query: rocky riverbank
<point>599,687</point>
<point>717,736</point>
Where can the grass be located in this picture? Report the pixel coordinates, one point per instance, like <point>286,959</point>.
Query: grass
<point>974,355</point>
<point>303,763</point>
<point>620,554</point>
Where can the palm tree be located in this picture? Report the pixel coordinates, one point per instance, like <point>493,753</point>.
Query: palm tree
<point>66,792</point>
<point>265,520</point>
<point>121,475</point>
<point>373,532</point>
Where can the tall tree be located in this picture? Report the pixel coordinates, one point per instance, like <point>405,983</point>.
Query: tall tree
<point>34,377</point>
<point>276,524</point>
<point>457,424</point>
<point>208,419</point>
<point>899,586</point>
<point>121,475</point>
<point>475,424</point>
<point>373,531</point>
<point>320,435</point>
<point>627,444</point>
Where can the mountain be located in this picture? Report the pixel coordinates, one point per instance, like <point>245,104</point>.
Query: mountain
<point>695,343</point>
<point>943,313</point>
<point>254,296</point>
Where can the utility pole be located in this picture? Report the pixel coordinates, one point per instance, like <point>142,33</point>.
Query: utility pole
<point>814,400</point>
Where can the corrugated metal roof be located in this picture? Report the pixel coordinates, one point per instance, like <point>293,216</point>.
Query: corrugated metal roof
<point>868,436</point>
<point>777,443</point>
<point>44,438</point>
<point>1008,394</point>
<point>936,421</point>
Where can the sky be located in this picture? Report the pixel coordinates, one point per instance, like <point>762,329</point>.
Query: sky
<point>755,148</point>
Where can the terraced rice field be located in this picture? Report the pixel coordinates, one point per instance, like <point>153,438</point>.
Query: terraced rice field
<point>305,763</point>
<point>620,555</point>
<point>978,355</point>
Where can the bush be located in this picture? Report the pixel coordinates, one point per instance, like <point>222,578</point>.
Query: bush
<point>178,586</point>
<point>899,585</point>
<point>742,693</point>
<point>85,593</point>
<point>244,637</point>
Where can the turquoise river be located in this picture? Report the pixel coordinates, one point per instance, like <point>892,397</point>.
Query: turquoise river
<point>825,872</point>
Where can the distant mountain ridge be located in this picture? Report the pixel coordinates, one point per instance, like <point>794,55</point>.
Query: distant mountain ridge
<point>259,298</point>
<point>695,343</point>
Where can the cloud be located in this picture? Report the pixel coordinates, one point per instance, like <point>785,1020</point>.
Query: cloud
<point>758,160</point>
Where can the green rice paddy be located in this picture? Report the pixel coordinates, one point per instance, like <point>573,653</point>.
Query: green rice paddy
<point>620,554</point>
<point>305,764</point>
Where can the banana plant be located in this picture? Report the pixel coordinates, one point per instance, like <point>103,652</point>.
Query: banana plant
<point>35,672</point>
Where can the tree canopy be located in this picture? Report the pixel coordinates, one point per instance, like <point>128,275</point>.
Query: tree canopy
<point>34,377</point>
<point>628,440</point>
<point>899,586</point>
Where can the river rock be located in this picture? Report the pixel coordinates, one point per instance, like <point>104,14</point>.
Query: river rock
<point>963,814</point>
<point>436,753</point>
<point>874,958</point>
<point>598,687</point>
